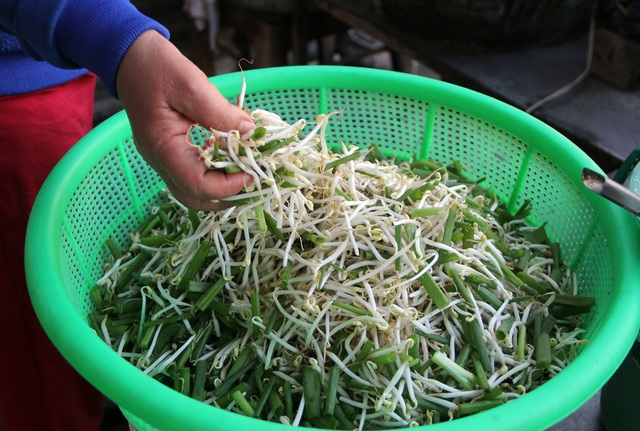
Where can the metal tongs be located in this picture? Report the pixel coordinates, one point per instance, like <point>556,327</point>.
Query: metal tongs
<point>611,190</point>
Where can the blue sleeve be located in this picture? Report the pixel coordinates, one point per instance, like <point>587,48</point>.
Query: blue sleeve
<point>90,34</point>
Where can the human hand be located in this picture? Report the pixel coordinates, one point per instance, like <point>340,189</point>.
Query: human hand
<point>164,94</point>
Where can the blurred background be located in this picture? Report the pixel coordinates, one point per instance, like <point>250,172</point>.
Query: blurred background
<point>574,64</point>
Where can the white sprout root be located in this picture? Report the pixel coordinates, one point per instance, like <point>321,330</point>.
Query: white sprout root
<point>414,282</point>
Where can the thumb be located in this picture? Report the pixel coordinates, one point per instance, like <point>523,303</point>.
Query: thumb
<point>203,103</point>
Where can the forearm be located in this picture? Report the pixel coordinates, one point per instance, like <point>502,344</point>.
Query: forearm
<point>91,34</point>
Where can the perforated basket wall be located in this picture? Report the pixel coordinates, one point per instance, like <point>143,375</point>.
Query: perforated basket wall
<point>103,188</point>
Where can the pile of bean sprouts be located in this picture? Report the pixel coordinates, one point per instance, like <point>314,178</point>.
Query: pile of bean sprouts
<point>401,292</point>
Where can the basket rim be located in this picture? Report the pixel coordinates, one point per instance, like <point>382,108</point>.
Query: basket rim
<point>148,399</point>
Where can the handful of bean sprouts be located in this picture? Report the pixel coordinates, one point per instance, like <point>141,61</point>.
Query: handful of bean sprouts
<point>343,290</point>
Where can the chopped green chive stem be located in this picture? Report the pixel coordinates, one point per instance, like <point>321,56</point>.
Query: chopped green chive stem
<point>243,358</point>
<point>262,223</point>
<point>184,357</point>
<point>533,283</point>
<point>414,350</point>
<point>168,334</point>
<point>182,381</point>
<point>113,247</point>
<point>256,378</point>
<point>570,305</point>
<point>195,265</point>
<point>524,211</point>
<point>216,150</point>
<point>255,310</point>
<point>96,297</point>
<point>537,326</point>
<point>201,339</point>
<point>231,379</point>
<point>198,286</point>
<point>258,133</point>
<point>461,375</point>
<point>273,146</point>
<point>225,400</point>
<point>538,236</point>
<point>341,161</point>
<point>232,169</point>
<point>505,327</point>
<point>412,230</point>
<point>274,322</point>
<point>325,422</point>
<point>482,226</point>
<point>480,372</point>
<point>548,324</point>
<point>194,219</point>
<point>427,405</point>
<point>205,300</point>
<point>139,261</point>
<point>342,418</point>
<point>275,404</point>
<point>398,238</point>
<point>264,395</point>
<point>360,387</point>
<point>311,390</point>
<point>242,402</point>
<point>147,336</point>
<point>468,237</point>
<point>166,221</point>
<point>361,356</point>
<point>272,226</point>
<point>511,277</point>
<point>522,263</point>
<point>486,295</point>
<point>437,295</point>
<point>381,357</point>
<point>522,340</point>
<point>374,154</point>
<point>93,322</point>
<point>481,280</point>
<point>159,240</point>
<point>555,253</point>
<point>286,275</point>
<point>199,378</point>
<point>479,345</point>
<point>435,337</point>
<point>221,311</point>
<point>463,355</point>
<point>431,165</point>
<point>149,225</point>
<point>288,399</point>
<point>459,284</point>
<point>342,194</point>
<point>166,320</point>
<point>447,233</point>
<point>425,212</point>
<point>316,239</point>
<point>493,393</point>
<point>572,300</point>
<point>351,308</point>
<point>332,391</point>
<point>446,257</point>
<point>542,351</point>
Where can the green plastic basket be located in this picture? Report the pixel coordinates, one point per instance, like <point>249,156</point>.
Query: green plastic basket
<point>103,188</point>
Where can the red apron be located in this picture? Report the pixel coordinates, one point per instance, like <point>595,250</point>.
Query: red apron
<point>38,389</point>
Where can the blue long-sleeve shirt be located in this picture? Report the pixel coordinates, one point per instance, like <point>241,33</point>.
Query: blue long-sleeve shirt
<point>49,42</point>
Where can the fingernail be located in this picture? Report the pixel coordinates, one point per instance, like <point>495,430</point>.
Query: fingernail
<point>246,126</point>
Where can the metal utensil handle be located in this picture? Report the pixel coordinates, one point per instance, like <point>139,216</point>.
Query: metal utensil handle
<point>611,190</point>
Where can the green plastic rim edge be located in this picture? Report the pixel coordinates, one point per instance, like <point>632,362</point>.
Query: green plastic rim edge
<point>157,404</point>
